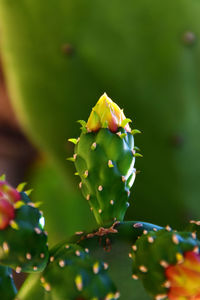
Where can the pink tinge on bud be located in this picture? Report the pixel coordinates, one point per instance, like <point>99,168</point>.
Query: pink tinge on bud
<point>9,192</point>
<point>106,114</point>
<point>7,213</point>
<point>184,278</point>
<point>8,197</point>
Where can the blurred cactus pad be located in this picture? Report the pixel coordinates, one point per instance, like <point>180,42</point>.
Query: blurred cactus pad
<point>60,55</point>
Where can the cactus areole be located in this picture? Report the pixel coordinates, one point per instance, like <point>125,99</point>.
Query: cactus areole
<point>104,158</point>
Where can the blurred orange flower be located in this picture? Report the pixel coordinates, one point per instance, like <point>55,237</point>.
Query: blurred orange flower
<point>184,278</point>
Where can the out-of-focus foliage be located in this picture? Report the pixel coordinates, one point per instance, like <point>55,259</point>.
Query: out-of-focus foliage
<point>65,210</point>
<point>60,55</point>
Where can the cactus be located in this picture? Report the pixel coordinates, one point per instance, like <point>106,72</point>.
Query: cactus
<point>104,158</point>
<point>86,277</point>
<point>142,54</point>
<point>7,286</point>
<point>154,265</point>
<point>96,265</point>
<point>194,226</point>
<point>21,231</point>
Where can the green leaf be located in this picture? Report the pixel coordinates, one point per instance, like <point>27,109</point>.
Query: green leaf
<point>71,159</point>
<point>28,192</point>
<point>21,186</point>
<point>136,148</point>
<point>123,135</point>
<point>138,155</point>
<point>82,122</point>
<point>135,131</point>
<point>74,141</point>
<point>125,122</point>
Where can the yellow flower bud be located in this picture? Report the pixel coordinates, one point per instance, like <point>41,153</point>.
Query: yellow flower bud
<point>106,114</point>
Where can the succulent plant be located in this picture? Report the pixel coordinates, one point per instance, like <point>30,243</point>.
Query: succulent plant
<point>140,53</point>
<point>8,290</point>
<point>21,231</point>
<point>164,261</point>
<point>104,158</point>
<point>81,267</point>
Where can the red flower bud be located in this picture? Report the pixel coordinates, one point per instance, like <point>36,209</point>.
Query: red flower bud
<point>7,213</point>
<point>8,196</point>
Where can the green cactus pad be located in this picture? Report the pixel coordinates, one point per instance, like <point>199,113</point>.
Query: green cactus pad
<point>105,163</point>
<point>23,245</point>
<point>109,245</point>
<point>194,226</point>
<point>113,246</point>
<point>7,286</point>
<point>71,275</point>
<point>154,252</point>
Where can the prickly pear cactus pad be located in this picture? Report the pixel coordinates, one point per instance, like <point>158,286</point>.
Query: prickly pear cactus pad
<point>194,226</point>
<point>72,274</point>
<point>104,158</point>
<point>23,242</point>
<point>7,286</point>
<point>113,246</point>
<point>168,263</point>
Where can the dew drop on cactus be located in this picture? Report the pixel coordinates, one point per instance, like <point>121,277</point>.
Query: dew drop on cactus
<point>104,158</point>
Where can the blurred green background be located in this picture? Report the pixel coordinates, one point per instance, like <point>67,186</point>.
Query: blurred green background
<point>59,56</point>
